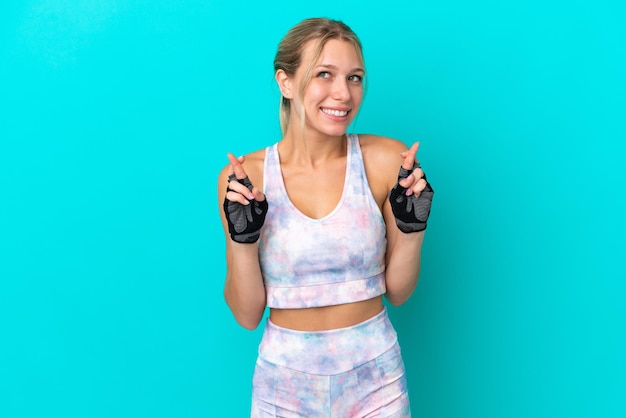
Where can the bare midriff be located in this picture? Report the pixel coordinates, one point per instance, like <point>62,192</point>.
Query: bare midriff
<point>327,317</point>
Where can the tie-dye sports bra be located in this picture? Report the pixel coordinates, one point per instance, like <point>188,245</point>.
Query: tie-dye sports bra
<point>337,259</point>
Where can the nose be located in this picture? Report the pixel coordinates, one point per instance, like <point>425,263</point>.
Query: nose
<point>340,91</point>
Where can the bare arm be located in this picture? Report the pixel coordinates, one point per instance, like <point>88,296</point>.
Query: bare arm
<point>403,256</point>
<point>244,290</point>
<point>403,260</point>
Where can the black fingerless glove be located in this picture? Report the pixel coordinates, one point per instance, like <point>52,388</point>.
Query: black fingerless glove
<point>245,221</point>
<point>411,212</point>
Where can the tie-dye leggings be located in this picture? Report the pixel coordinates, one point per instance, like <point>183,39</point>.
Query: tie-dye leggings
<point>343,373</point>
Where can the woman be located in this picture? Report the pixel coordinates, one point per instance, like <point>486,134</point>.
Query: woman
<point>319,226</point>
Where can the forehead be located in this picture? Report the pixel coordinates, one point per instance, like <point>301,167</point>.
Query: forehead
<point>337,52</point>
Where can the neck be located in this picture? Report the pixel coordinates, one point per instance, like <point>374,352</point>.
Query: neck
<point>310,148</point>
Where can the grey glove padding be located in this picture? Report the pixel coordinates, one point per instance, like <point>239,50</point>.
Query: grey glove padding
<point>411,212</point>
<point>245,221</point>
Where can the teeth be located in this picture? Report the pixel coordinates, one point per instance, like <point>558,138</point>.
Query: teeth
<point>335,112</point>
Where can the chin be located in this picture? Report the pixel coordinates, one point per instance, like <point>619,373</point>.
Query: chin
<point>335,130</point>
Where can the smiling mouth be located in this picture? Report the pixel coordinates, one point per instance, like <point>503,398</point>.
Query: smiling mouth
<point>335,112</point>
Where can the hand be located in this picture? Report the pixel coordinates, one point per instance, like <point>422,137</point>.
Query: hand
<point>245,206</point>
<point>412,195</point>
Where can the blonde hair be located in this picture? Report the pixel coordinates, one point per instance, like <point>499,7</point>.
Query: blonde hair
<point>289,54</point>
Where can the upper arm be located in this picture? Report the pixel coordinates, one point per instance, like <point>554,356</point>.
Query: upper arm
<point>382,160</point>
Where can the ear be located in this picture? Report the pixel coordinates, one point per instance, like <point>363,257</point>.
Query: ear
<point>285,84</point>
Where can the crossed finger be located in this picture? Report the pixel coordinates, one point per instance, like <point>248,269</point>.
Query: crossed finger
<point>236,191</point>
<point>410,156</point>
<point>239,186</point>
<point>415,182</point>
<point>236,166</point>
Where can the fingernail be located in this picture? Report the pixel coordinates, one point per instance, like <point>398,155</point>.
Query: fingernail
<point>409,192</point>
<point>246,202</point>
<point>250,196</point>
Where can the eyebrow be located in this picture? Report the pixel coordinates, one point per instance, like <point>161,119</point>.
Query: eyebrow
<point>334,67</point>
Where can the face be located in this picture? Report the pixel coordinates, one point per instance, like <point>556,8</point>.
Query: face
<point>334,93</point>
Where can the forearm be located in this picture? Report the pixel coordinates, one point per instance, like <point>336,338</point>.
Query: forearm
<point>242,211</point>
<point>403,266</point>
<point>406,213</point>
<point>244,290</point>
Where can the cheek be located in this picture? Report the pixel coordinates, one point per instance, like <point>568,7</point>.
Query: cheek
<point>314,94</point>
<point>357,96</point>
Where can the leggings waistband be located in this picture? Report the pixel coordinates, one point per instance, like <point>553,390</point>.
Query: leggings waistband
<point>328,352</point>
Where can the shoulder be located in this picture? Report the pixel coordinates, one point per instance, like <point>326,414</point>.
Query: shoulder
<point>381,143</point>
<point>381,152</point>
<point>382,160</point>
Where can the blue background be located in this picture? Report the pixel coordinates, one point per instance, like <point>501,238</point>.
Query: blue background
<point>116,116</point>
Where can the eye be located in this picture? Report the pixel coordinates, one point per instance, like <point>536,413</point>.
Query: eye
<point>323,74</point>
<point>356,78</point>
